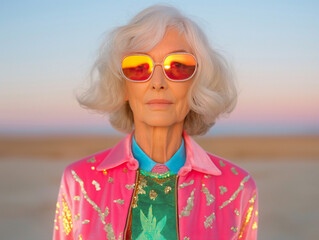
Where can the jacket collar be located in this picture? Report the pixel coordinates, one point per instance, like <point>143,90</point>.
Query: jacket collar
<point>196,158</point>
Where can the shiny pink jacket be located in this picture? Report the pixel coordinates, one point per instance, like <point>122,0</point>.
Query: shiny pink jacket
<point>216,199</point>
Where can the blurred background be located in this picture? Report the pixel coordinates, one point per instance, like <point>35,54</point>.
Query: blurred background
<point>48,47</point>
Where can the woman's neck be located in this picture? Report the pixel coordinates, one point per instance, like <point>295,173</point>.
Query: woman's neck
<point>159,143</point>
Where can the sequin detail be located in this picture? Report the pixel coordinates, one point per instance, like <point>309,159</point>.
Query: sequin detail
<point>157,175</point>
<point>80,237</point>
<point>221,163</point>
<point>247,217</point>
<point>235,194</point>
<point>129,187</point>
<point>76,198</point>
<point>236,212</point>
<point>96,185</point>
<point>119,201</point>
<point>67,216</point>
<point>93,168</point>
<point>222,190</point>
<point>186,184</point>
<point>167,189</point>
<point>109,231</point>
<point>91,160</point>
<point>77,217</point>
<point>110,180</point>
<point>209,220</point>
<point>153,195</point>
<point>234,229</point>
<point>207,176</point>
<point>186,238</point>
<point>86,221</point>
<point>254,225</point>
<point>209,197</point>
<point>104,172</point>
<point>102,215</point>
<point>190,204</point>
<point>234,171</point>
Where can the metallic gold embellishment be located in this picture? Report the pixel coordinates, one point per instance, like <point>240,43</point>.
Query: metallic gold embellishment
<point>247,217</point>
<point>256,213</point>
<point>56,228</point>
<point>129,187</point>
<point>236,212</point>
<point>209,197</point>
<point>102,215</point>
<point>254,225</point>
<point>67,216</point>
<point>209,220</point>
<point>125,170</point>
<point>190,204</point>
<point>109,230</point>
<point>140,189</point>
<point>80,237</point>
<point>58,205</point>
<point>119,201</point>
<point>235,194</point>
<point>77,198</point>
<point>104,172</point>
<point>96,185</point>
<point>186,238</point>
<point>222,190</point>
<point>93,168</point>
<point>77,217</point>
<point>207,176</point>
<point>167,189</point>
<point>153,194</point>
<point>86,221</point>
<point>186,184</point>
<point>91,160</point>
<point>55,220</point>
<point>234,229</point>
<point>234,171</point>
<point>110,180</point>
<point>134,202</point>
<point>221,163</point>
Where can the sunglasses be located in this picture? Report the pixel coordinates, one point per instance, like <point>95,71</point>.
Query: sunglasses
<point>177,67</point>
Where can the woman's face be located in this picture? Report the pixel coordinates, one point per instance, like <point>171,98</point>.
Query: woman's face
<point>160,102</point>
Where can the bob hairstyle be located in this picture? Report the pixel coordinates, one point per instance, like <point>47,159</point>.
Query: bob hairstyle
<point>212,93</point>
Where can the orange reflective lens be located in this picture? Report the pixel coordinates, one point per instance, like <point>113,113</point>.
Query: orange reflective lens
<point>176,66</point>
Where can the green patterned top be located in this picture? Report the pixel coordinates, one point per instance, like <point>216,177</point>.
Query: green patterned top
<point>154,207</point>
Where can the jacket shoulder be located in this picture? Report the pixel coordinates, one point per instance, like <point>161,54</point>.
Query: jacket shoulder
<point>232,171</point>
<point>88,162</point>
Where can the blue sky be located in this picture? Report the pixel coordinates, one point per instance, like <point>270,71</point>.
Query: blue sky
<point>47,48</point>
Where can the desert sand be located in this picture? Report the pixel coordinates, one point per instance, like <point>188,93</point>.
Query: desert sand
<point>285,170</point>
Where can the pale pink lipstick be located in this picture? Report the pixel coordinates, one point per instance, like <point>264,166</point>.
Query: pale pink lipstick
<point>159,103</point>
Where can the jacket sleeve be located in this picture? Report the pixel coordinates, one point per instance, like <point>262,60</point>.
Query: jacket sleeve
<point>249,223</point>
<point>63,222</point>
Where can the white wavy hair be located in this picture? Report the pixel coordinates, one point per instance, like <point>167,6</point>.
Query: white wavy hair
<point>212,93</point>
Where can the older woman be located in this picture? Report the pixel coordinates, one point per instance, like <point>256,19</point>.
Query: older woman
<point>160,81</point>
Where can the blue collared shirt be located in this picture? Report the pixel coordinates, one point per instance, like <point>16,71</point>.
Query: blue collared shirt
<point>146,163</point>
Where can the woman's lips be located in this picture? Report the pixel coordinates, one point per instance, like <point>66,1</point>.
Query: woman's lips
<point>159,103</point>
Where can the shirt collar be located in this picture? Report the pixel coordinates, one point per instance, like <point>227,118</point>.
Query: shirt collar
<point>196,158</point>
<point>147,164</point>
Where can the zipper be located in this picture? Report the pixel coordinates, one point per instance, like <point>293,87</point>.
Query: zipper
<point>130,208</point>
<point>176,204</point>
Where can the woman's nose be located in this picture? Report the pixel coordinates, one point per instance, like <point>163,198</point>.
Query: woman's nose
<point>158,79</point>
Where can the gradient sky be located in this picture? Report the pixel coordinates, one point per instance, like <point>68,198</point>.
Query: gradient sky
<point>47,49</point>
